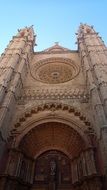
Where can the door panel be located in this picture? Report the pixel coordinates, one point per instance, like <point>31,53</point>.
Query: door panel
<point>52,171</point>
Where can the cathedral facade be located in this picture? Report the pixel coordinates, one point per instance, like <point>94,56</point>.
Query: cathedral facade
<point>53,114</point>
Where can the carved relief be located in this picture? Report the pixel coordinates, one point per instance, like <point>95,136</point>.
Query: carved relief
<point>13,163</point>
<point>26,32</point>
<point>54,70</point>
<point>50,167</point>
<point>2,74</point>
<point>52,107</point>
<point>53,93</point>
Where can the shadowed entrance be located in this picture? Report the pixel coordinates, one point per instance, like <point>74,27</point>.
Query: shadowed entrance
<point>52,171</point>
<point>52,135</point>
<point>52,156</point>
<point>63,160</point>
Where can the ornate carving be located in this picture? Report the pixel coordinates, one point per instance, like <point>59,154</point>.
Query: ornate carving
<point>52,107</point>
<point>54,70</point>
<point>81,164</point>
<point>26,32</point>
<point>53,93</point>
<point>50,167</point>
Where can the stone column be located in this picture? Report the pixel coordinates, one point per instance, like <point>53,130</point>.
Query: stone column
<point>74,171</point>
<point>90,162</point>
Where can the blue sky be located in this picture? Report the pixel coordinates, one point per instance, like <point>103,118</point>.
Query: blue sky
<point>53,20</point>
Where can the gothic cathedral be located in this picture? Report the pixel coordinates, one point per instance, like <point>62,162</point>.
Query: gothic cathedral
<point>53,114</point>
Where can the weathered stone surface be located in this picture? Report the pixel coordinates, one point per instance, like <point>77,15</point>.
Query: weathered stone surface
<point>53,100</point>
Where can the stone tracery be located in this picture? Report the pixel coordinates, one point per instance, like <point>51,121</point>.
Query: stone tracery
<point>54,70</point>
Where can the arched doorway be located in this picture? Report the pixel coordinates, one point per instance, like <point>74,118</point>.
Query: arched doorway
<point>53,155</point>
<point>46,143</point>
<point>52,171</point>
<point>53,145</point>
<point>51,136</point>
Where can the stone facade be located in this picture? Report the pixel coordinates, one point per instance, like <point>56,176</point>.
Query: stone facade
<point>53,114</point>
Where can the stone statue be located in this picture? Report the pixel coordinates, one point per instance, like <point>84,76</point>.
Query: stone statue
<point>52,168</point>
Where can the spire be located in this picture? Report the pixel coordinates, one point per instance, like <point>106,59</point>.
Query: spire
<point>57,43</point>
<point>94,59</point>
<point>13,69</point>
<point>85,29</point>
<point>26,32</point>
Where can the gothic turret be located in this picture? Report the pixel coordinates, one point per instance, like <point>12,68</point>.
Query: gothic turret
<point>13,68</point>
<point>94,62</point>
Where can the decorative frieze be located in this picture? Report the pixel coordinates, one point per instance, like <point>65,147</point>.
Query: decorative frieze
<point>52,107</point>
<point>53,93</point>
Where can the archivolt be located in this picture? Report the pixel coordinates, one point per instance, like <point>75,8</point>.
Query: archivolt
<point>56,112</point>
<point>52,107</point>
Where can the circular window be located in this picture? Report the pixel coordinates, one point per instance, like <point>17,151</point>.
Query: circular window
<point>55,71</point>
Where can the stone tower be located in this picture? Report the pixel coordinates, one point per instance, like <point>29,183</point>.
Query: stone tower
<point>53,114</point>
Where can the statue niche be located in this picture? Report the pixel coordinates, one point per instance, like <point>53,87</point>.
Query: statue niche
<point>52,170</point>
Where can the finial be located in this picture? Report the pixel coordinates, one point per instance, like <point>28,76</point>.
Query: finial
<point>32,26</point>
<point>18,30</point>
<point>56,43</point>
